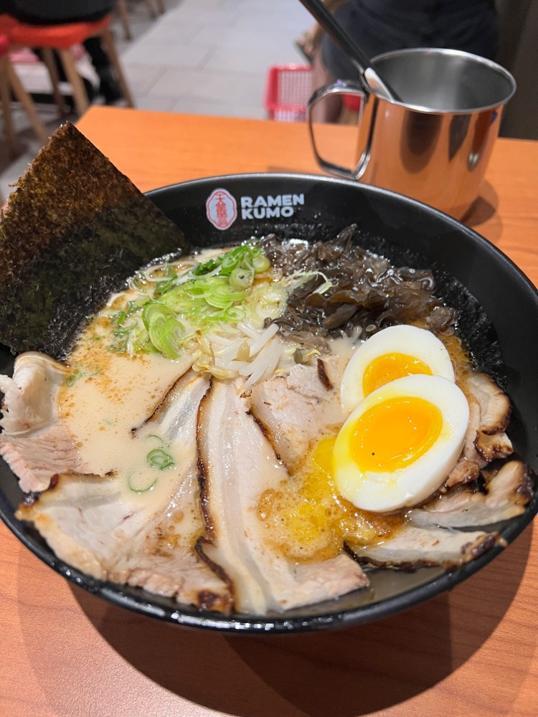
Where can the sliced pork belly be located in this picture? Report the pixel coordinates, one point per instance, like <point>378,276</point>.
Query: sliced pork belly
<point>35,443</point>
<point>493,446</point>
<point>505,495</point>
<point>238,464</point>
<point>485,440</point>
<point>494,403</point>
<point>468,467</point>
<point>84,520</point>
<point>297,409</point>
<point>411,548</point>
<point>30,395</point>
<point>97,525</point>
<point>466,470</point>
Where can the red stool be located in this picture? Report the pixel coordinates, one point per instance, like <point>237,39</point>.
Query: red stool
<point>6,23</point>
<point>62,38</point>
<point>9,81</point>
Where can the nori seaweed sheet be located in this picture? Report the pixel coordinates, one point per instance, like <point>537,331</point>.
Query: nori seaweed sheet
<point>73,231</point>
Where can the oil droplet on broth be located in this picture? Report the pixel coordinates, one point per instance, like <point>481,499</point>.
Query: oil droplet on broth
<point>308,521</point>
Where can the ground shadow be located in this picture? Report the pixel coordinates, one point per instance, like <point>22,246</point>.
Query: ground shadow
<point>346,673</point>
<point>484,209</point>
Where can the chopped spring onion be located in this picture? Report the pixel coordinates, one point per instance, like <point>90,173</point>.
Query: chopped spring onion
<point>178,308</point>
<point>160,459</point>
<point>247,255</point>
<point>222,297</point>
<point>140,483</point>
<point>232,259</point>
<point>165,331</point>
<point>260,263</point>
<point>129,332</point>
<point>241,278</point>
<point>206,267</point>
<point>154,311</point>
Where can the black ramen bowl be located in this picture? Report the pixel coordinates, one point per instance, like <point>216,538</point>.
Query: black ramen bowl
<point>498,318</point>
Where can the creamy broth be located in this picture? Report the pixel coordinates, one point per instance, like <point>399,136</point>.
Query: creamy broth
<point>240,429</point>
<point>113,394</point>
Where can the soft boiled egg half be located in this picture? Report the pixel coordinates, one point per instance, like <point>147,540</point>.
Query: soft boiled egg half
<point>391,354</point>
<point>400,442</point>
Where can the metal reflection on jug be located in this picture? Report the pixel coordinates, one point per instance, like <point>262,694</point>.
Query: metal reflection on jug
<point>435,144</point>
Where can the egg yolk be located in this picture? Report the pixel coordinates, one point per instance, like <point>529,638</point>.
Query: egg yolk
<point>389,367</point>
<point>395,433</point>
<point>307,520</point>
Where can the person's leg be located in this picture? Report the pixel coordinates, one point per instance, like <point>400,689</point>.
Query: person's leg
<point>328,110</point>
<point>97,55</point>
<point>108,84</point>
<point>308,42</point>
<point>330,64</point>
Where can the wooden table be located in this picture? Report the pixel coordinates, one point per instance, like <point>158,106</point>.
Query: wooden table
<point>471,652</point>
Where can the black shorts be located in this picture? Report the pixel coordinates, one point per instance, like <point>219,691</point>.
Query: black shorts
<point>384,25</point>
<point>56,12</point>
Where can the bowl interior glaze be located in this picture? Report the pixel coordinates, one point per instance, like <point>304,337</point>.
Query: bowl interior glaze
<point>408,232</point>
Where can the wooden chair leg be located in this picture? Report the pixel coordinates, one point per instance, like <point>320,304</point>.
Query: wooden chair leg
<point>79,91</point>
<point>5,99</point>
<point>26,101</point>
<point>48,59</point>
<point>123,12</point>
<point>110,49</point>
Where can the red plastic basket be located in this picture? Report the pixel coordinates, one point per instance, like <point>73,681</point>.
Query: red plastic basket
<point>287,92</point>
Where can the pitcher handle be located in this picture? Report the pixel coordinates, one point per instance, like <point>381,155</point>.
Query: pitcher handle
<point>340,87</point>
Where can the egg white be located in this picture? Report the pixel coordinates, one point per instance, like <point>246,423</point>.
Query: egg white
<point>404,487</point>
<point>410,340</point>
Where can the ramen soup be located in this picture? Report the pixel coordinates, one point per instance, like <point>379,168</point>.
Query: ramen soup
<point>254,428</point>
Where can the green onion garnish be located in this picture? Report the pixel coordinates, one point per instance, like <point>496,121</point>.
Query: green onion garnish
<point>160,459</point>
<point>241,278</point>
<point>140,484</point>
<point>213,292</point>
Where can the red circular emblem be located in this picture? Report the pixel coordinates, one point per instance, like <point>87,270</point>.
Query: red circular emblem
<point>221,208</point>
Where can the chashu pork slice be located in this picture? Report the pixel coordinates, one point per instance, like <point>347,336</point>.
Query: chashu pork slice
<point>505,494</point>
<point>297,409</point>
<point>485,439</point>
<point>34,442</point>
<point>238,464</point>
<point>411,548</point>
<point>147,539</point>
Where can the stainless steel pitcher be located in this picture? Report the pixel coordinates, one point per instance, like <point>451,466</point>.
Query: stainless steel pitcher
<point>435,146</point>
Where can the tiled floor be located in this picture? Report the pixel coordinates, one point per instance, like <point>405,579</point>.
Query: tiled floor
<point>201,56</point>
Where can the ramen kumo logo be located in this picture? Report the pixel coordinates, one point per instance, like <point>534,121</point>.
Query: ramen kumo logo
<point>270,206</point>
